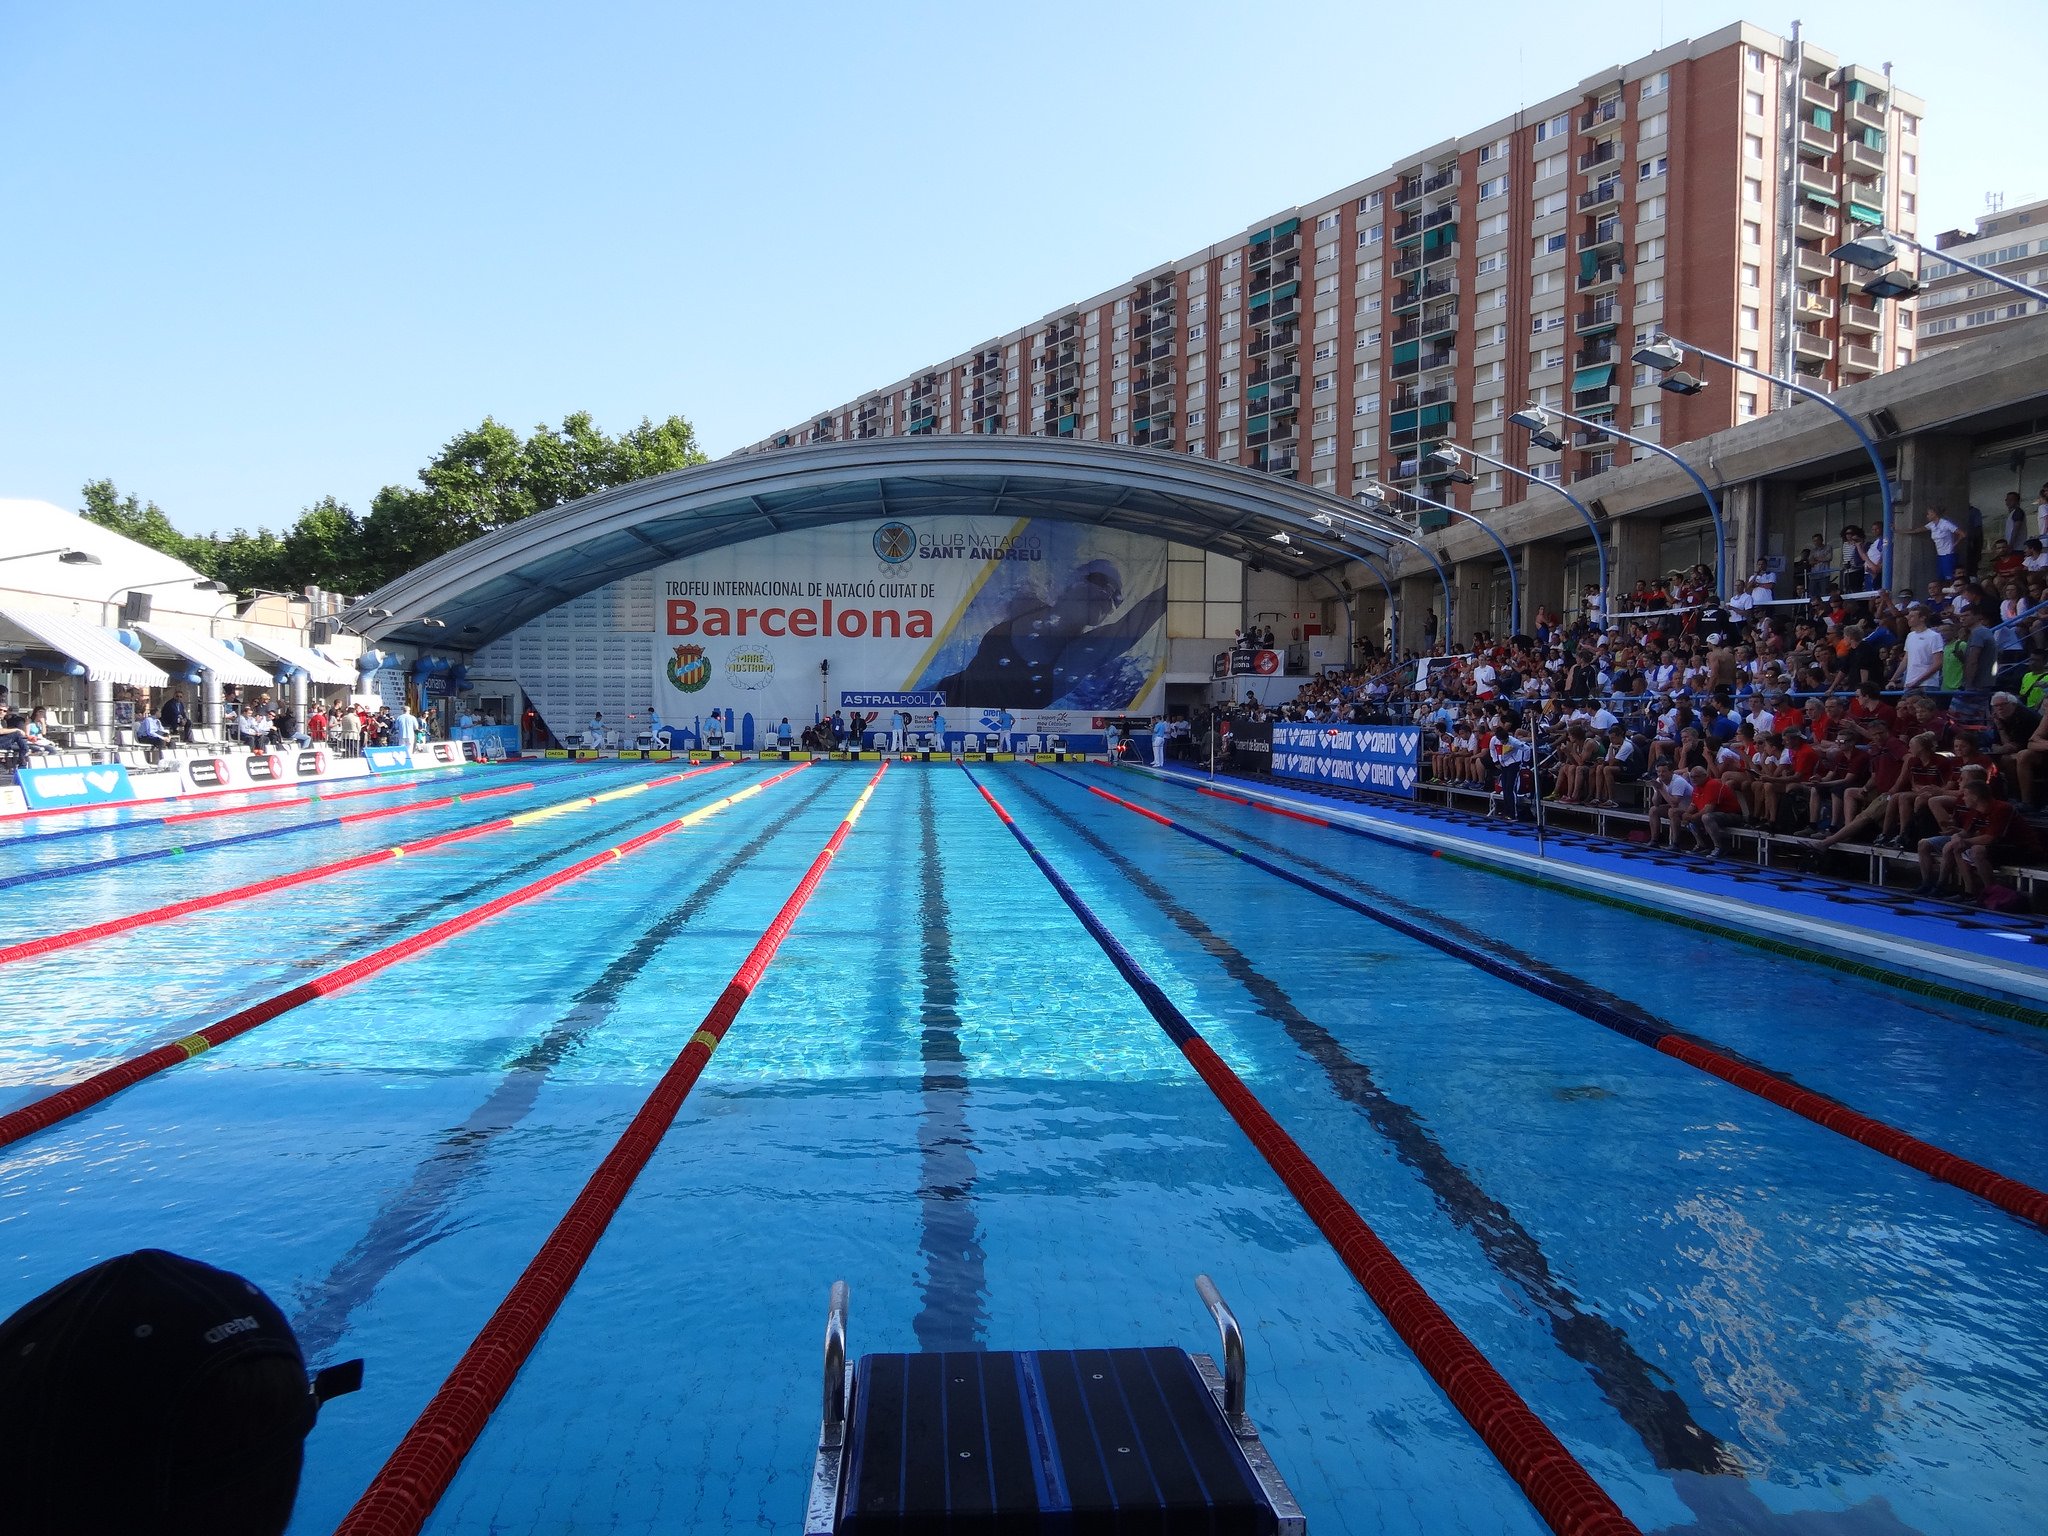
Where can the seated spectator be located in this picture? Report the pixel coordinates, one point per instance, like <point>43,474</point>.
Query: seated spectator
<point>1985,833</point>
<point>153,1395</point>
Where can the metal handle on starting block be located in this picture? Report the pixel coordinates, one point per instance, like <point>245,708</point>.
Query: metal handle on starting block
<point>835,1365</point>
<point>1233,1348</point>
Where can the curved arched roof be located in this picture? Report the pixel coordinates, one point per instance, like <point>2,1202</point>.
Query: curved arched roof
<point>496,583</point>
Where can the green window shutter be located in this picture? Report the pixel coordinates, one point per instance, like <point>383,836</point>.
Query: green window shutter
<point>1408,351</point>
<point>1403,421</point>
<point>1257,423</point>
<point>1437,415</point>
<point>1864,214</point>
<point>1873,138</point>
<point>1824,119</point>
<point>1430,519</point>
<point>1593,378</point>
<point>1285,228</point>
<point>1589,263</point>
<point>1436,239</point>
<point>1820,197</point>
<point>1284,291</point>
<point>1258,392</point>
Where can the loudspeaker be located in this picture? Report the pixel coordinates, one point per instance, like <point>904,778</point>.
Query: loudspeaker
<point>1597,507</point>
<point>323,631</point>
<point>1884,423</point>
<point>135,608</point>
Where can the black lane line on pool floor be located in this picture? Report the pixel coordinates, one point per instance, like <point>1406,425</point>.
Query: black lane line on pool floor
<point>1633,1386</point>
<point>412,1221</point>
<point>954,1313</point>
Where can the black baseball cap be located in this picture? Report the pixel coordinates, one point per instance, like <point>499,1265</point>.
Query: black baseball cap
<point>155,1393</point>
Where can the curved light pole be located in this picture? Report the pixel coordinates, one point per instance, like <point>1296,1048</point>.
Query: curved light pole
<point>1376,498</point>
<point>1514,583</point>
<point>65,554</point>
<point>203,584</point>
<point>1665,353</point>
<point>1872,249</point>
<point>1542,413</point>
<point>1447,453</point>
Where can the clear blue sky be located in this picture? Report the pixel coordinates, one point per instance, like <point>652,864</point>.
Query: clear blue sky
<point>259,254</point>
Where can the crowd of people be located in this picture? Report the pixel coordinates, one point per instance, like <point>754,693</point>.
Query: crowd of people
<point>255,723</point>
<point>1839,713</point>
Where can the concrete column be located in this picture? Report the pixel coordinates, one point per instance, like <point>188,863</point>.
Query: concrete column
<point>1420,595</point>
<point>1934,472</point>
<point>210,711</point>
<point>301,697</point>
<point>1634,551</point>
<point>103,706</point>
<point>1474,580</point>
<point>1542,580</point>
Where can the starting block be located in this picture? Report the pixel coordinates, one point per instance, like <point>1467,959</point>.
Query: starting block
<point>1079,1441</point>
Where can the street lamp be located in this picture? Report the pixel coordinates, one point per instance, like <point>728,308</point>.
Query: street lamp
<point>1578,506</point>
<point>64,556</point>
<point>1374,497</point>
<point>1608,429</point>
<point>202,585</point>
<point>1514,584</point>
<point>1534,420</point>
<point>1873,248</point>
<point>1661,351</point>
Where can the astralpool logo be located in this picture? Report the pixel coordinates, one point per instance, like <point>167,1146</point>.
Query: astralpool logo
<point>688,669</point>
<point>895,542</point>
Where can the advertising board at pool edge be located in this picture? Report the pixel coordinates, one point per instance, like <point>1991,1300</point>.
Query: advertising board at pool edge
<point>1029,616</point>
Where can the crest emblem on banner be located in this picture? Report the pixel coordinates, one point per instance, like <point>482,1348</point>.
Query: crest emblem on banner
<point>688,670</point>
<point>895,542</point>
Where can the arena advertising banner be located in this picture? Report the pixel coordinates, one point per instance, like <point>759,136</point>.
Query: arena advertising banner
<point>958,622</point>
<point>1356,756</point>
<point>48,789</point>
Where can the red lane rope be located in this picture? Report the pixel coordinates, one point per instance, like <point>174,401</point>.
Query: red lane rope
<point>197,794</point>
<point>41,1114</point>
<point>71,937</point>
<point>1563,1492</point>
<point>1259,805</point>
<point>2008,1194</point>
<point>316,798</point>
<point>422,1465</point>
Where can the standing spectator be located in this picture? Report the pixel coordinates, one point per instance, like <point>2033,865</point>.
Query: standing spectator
<point>177,720</point>
<point>1945,536</point>
<point>348,730</point>
<point>1920,666</point>
<point>316,725</point>
<point>1818,568</point>
<point>2014,528</point>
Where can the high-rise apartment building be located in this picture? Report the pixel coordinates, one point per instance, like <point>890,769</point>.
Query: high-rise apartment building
<point>1957,305</point>
<point>1696,191</point>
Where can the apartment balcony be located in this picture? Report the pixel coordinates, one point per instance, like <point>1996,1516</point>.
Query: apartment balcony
<point>1271,277</point>
<point>1863,359</point>
<point>1416,399</point>
<point>1272,250</point>
<point>1611,110</point>
<point>1813,179</point>
<point>1814,348</point>
<point>1862,317</point>
<point>1605,233</point>
<point>1607,194</point>
<point>1151,379</point>
<point>1594,353</point>
<point>1409,191</point>
<point>1606,276</point>
<point>1607,154</point>
<point>1277,464</point>
<point>1275,341</point>
<point>1280,376</point>
<point>1152,353</point>
<point>1442,181</point>
<point>1054,334</point>
<point>1816,222</point>
<point>1866,202</point>
<point>1603,316</point>
<point>1817,142</point>
<point>1596,464</point>
<point>1860,157</point>
<point>1439,360</point>
<point>1811,263</point>
<point>1814,94</point>
<point>1864,115</point>
<point>1813,306</point>
<point>1418,294</point>
<point>1602,397</point>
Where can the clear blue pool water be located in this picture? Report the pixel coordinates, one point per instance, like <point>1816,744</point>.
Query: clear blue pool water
<point>944,1094</point>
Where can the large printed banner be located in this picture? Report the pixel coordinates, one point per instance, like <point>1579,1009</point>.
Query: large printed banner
<point>49,789</point>
<point>1356,756</point>
<point>1041,620</point>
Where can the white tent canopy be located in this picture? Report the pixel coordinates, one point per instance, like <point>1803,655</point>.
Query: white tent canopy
<point>208,654</point>
<point>311,662</point>
<point>98,650</point>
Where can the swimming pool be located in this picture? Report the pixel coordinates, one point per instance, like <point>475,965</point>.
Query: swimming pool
<point>943,1092</point>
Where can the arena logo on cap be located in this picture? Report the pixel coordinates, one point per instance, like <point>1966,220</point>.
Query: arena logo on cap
<point>750,666</point>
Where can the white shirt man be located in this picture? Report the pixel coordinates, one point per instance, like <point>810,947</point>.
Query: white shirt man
<point>899,723</point>
<point>1923,653</point>
<point>1483,677</point>
<point>408,728</point>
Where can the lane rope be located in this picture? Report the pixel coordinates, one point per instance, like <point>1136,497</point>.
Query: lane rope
<point>72,937</point>
<point>420,776</point>
<point>1562,1491</point>
<point>296,802</point>
<point>2008,1194</point>
<point>406,1489</point>
<point>265,834</point>
<point>40,1114</point>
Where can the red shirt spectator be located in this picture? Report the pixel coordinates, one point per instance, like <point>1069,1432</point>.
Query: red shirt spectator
<point>1715,795</point>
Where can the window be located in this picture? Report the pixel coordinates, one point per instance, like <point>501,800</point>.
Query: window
<point>1654,126</point>
<point>1229,347</point>
<point>1198,304</point>
<point>1648,415</point>
<point>1754,58</point>
<point>1123,306</point>
<point>1197,332</point>
<point>1752,275</point>
<point>1366,405</point>
<point>1550,357</point>
<point>1368,339</point>
<point>1370,235</point>
<point>1752,232</point>
<point>1548,320</point>
<point>1118,416</point>
<point>1650,291</point>
<point>1549,469</point>
<point>1747,356</point>
<point>1908,123</point>
<point>1751,318</point>
<point>1753,145</point>
<point>1196,418</point>
<point>1365,437</point>
<point>1657,165</point>
<point>1229,412</point>
<point>1909,164</point>
<point>1908,203</point>
<point>1497,336</point>
<point>1325,382</point>
<point>1904,357</point>
<point>1013,377</point>
<point>1230,261</point>
<point>1226,325</point>
<point>1120,387</point>
<point>1369,271</point>
<point>1752,190</point>
<point>1326,285</point>
<point>1325,414</point>
<point>1556,202</point>
<point>1551,244</point>
<point>1492,373</point>
<point>1232,290</point>
<point>1645,376</point>
<point>1754,101</point>
<point>1329,220</point>
<point>1550,165</point>
<point>1326,318</point>
<point>1494,187</point>
<point>1745,405</point>
<point>1369,305</point>
<point>1556,128</point>
<point>1492,263</point>
<point>1650,207</point>
<point>1657,84</point>
<point>1546,282</point>
<point>1492,224</point>
<point>1370,203</point>
<point>1122,333</point>
<point>1497,150</point>
<point>1225,381</point>
<point>1325,350</point>
<point>1651,249</point>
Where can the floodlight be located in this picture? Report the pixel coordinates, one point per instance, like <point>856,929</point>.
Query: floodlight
<point>1892,285</point>
<point>78,557</point>
<point>1869,251</point>
<point>1448,459</point>
<point>1679,382</point>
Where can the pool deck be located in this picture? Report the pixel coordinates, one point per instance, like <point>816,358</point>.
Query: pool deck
<point>1948,949</point>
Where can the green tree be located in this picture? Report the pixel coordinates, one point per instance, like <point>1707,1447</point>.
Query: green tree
<point>144,522</point>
